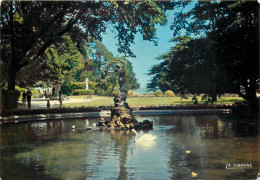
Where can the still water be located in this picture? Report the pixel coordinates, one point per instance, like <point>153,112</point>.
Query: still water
<point>53,150</point>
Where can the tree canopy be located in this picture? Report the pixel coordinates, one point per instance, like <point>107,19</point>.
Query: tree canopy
<point>218,54</point>
<point>28,29</point>
<point>68,65</point>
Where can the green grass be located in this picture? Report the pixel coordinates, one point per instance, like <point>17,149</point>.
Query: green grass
<point>104,101</point>
<point>86,97</point>
<point>149,101</point>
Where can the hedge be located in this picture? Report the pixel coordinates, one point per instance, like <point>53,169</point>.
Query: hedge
<point>83,92</point>
<point>78,85</point>
<point>69,87</point>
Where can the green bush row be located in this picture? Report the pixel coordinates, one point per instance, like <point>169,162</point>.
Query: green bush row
<point>69,88</point>
<point>82,85</point>
<point>35,92</point>
<point>168,93</point>
<point>83,92</point>
<point>78,85</point>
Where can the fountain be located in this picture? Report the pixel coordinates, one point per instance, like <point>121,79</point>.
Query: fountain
<point>121,114</point>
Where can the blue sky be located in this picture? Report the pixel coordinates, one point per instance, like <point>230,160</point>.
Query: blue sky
<point>145,51</point>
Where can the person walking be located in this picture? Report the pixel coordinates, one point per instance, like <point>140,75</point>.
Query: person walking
<point>45,94</point>
<point>29,97</point>
<point>24,99</point>
<point>48,104</point>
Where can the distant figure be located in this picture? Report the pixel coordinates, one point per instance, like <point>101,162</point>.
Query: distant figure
<point>45,93</point>
<point>29,98</point>
<point>48,104</point>
<point>53,91</point>
<point>24,99</point>
<point>60,97</point>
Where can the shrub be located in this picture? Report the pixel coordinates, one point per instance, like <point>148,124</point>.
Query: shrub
<point>67,88</point>
<point>169,93</point>
<point>35,92</point>
<point>158,93</point>
<point>99,92</point>
<point>78,85</point>
<point>92,85</point>
<point>83,92</point>
<point>21,90</point>
<point>114,93</point>
<point>131,93</point>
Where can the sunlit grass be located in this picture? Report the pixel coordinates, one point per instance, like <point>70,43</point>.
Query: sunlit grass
<point>106,101</point>
<point>149,101</point>
<point>87,97</point>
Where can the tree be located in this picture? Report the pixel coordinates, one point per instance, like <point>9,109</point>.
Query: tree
<point>56,64</point>
<point>109,82</point>
<point>242,39</point>
<point>193,72</point>
<point>24,39</point>
<point>159,79</point>
<point>222,55</point>
<point>105,66</point>
<point>132,82</point>
<point>161,72</point>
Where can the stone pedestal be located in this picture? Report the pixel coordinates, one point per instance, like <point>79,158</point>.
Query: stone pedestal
<point>122,117</point>
<point>86,84</point>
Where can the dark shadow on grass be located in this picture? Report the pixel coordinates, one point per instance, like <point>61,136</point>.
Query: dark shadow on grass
<point>230,100</point>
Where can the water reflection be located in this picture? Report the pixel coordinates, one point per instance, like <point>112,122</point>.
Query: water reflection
<point>51,150</point>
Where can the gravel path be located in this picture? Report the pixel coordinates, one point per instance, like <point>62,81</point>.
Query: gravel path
<point>41,103</point>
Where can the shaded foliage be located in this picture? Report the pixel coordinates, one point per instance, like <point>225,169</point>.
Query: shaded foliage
<point>28,29</point>
<point>222,58</point>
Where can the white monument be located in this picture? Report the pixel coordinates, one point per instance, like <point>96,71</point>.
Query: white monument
<point>86,83</point>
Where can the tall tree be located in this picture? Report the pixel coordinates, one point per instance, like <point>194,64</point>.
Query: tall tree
<point>225,49</point>
<point>29,28</point>
<point>55,64</point>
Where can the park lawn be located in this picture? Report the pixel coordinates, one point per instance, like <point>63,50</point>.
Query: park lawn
<point>146,101</point>
<point>86,97</point>
<point>150,101</point>
<point>95,102</point>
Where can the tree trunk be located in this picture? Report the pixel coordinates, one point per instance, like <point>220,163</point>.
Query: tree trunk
<point>214,97</point>
<point>11,72</point>
<point>252,100</point>
<point>11,79</point>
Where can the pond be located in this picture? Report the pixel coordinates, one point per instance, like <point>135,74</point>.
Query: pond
<point>185,144</point>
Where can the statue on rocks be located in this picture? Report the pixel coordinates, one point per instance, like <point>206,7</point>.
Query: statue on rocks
<point>122,84</point>
<point>121,114</point>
